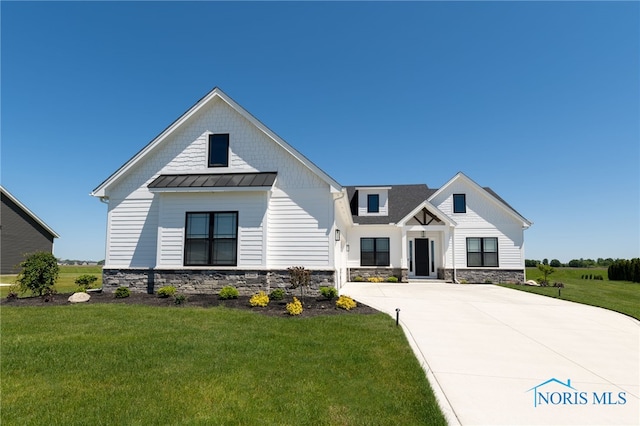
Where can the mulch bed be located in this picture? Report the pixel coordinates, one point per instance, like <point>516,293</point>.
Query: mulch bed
<point>312,306</point>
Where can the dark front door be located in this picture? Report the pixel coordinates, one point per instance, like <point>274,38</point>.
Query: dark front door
<point>422,257</point>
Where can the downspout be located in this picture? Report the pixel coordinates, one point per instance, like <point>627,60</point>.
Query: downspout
<point>453,254</point>
<point>337,269</point>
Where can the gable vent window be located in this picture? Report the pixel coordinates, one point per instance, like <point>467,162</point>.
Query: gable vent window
<point>219,150</point>
<point>459,203</point>
<point>373,203</point>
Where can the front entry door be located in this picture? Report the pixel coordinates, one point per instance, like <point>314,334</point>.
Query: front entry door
<point>422,257</point>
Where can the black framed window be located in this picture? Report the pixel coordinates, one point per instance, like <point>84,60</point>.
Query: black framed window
<point>219,150</point>
<point>459,203</point>
<point>211,239</point>
<point>482,251</point>
<point>373,203</point>
<point>374,252</point>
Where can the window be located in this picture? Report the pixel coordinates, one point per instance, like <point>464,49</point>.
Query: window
<point>373,203</point>
<point>459,203</point>
<point>211,239</point>
<point>219,150</point>
<point>482,252</point>
<point>374,252</point>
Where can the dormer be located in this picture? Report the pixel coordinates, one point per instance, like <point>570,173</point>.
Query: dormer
<point>373,201</point>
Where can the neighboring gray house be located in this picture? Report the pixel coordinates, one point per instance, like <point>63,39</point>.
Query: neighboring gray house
<point>218,198</point>
<point>21,232</point>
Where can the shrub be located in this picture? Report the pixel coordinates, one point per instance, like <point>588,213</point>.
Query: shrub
<point>228,292</point>
<point>80,290</point>
<point>463,281</point>
<point>13,292</point>
<point>259,299</point>
<point>375,279</point>
<point>180,299</point>
<point>276,294</point>
<point>122,292</point>
<point>329,292</point>
<point>392,279</point>
<point>358,279</point>
<point>345,302</point>
<point>299,277</point>
<point>39,273</point>
<point>295,307</point>
<point>166,291</point>
<point>86,281</point>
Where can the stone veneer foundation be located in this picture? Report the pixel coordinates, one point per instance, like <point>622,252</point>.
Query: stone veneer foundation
<point>192,281</point>
<point>495,276</point>
<point>401,274</point>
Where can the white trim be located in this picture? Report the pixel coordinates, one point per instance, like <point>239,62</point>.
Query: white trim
<point>29,212</point>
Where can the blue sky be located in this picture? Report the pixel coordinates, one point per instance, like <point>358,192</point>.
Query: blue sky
<point>538,100</point>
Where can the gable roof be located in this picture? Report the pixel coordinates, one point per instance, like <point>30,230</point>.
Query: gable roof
<point>402,200</point>
<point>489,193</point>
<point>24,208</point>
<point>216,93</point>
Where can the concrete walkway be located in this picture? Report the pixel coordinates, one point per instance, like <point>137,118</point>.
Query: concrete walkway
<point>498,356</point>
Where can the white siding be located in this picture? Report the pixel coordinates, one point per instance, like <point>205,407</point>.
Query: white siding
<point>483,218</point>
<point>299,226</point>
<point>251,208</point>
<point>131,240</point>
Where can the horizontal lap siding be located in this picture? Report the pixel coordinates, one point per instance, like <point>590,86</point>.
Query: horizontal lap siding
<point>132,236</point>
<point>251,208</point>
<point>299,225</point>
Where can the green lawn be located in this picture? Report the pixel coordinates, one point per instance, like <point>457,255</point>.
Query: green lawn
<point>619,296</point>
<point>126,364</point>
<point>66,280</point>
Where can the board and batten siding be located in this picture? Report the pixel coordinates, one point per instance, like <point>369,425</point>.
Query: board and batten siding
<point>132,236</point>
<point>251,208</point>
<point>299,227</point>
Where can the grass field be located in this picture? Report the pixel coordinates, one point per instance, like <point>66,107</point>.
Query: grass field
<point>619,296</point>
<point>66,279</point>
<point>126,364</point>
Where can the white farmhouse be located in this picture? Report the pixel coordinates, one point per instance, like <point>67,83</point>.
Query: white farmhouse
<point>219,199</point>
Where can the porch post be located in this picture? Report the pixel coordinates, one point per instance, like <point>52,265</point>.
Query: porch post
<point>403,252</point>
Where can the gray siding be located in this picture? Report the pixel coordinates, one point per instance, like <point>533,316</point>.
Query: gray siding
<point>19,234</point>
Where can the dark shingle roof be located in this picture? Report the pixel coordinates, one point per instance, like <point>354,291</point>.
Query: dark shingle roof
<point>217,180</point>
<point>402,199</point>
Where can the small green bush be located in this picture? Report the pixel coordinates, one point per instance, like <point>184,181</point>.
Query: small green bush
<point>38,274</point>
<point>358,279</point>
<point>167,291</point>
<point>80,290</point>
<point>276,294</point>
<point>345,302</point>
<point>180,299</point>
<point>329,292</point>
<point>295,307</point>
<point>259,299</point>
<point>122,292</point>
<point>392,279</point>
<point>86,280</point>
<point>228,292</point>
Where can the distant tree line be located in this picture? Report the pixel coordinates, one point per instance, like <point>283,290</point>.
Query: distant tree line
<point>625,270</point>
<point>573,263</point>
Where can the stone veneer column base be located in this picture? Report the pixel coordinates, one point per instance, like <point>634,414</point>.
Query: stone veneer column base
<point>199,281</point>
<point>493,276</point>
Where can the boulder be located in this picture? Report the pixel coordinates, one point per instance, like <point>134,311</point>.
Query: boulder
<point>79,297</point>
<point>532,282</point>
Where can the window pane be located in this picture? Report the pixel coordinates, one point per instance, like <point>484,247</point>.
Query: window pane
<point>491,259</point>
<point>382,244</point>
<point>224,252</point>
<point>382,258</point>
<point>373,203</point>
<point>224,225</point>
<point>219,150</point>
<point>367,259</point>
<point>473,245</point>
<point>459,203</point>
<point>198,225</point>
<point>490,245</point>
<point>366,244</point>
<point>474,259</point>
<point>197,252</point>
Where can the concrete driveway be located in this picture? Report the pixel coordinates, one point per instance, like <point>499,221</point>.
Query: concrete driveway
<point>497,356</point>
